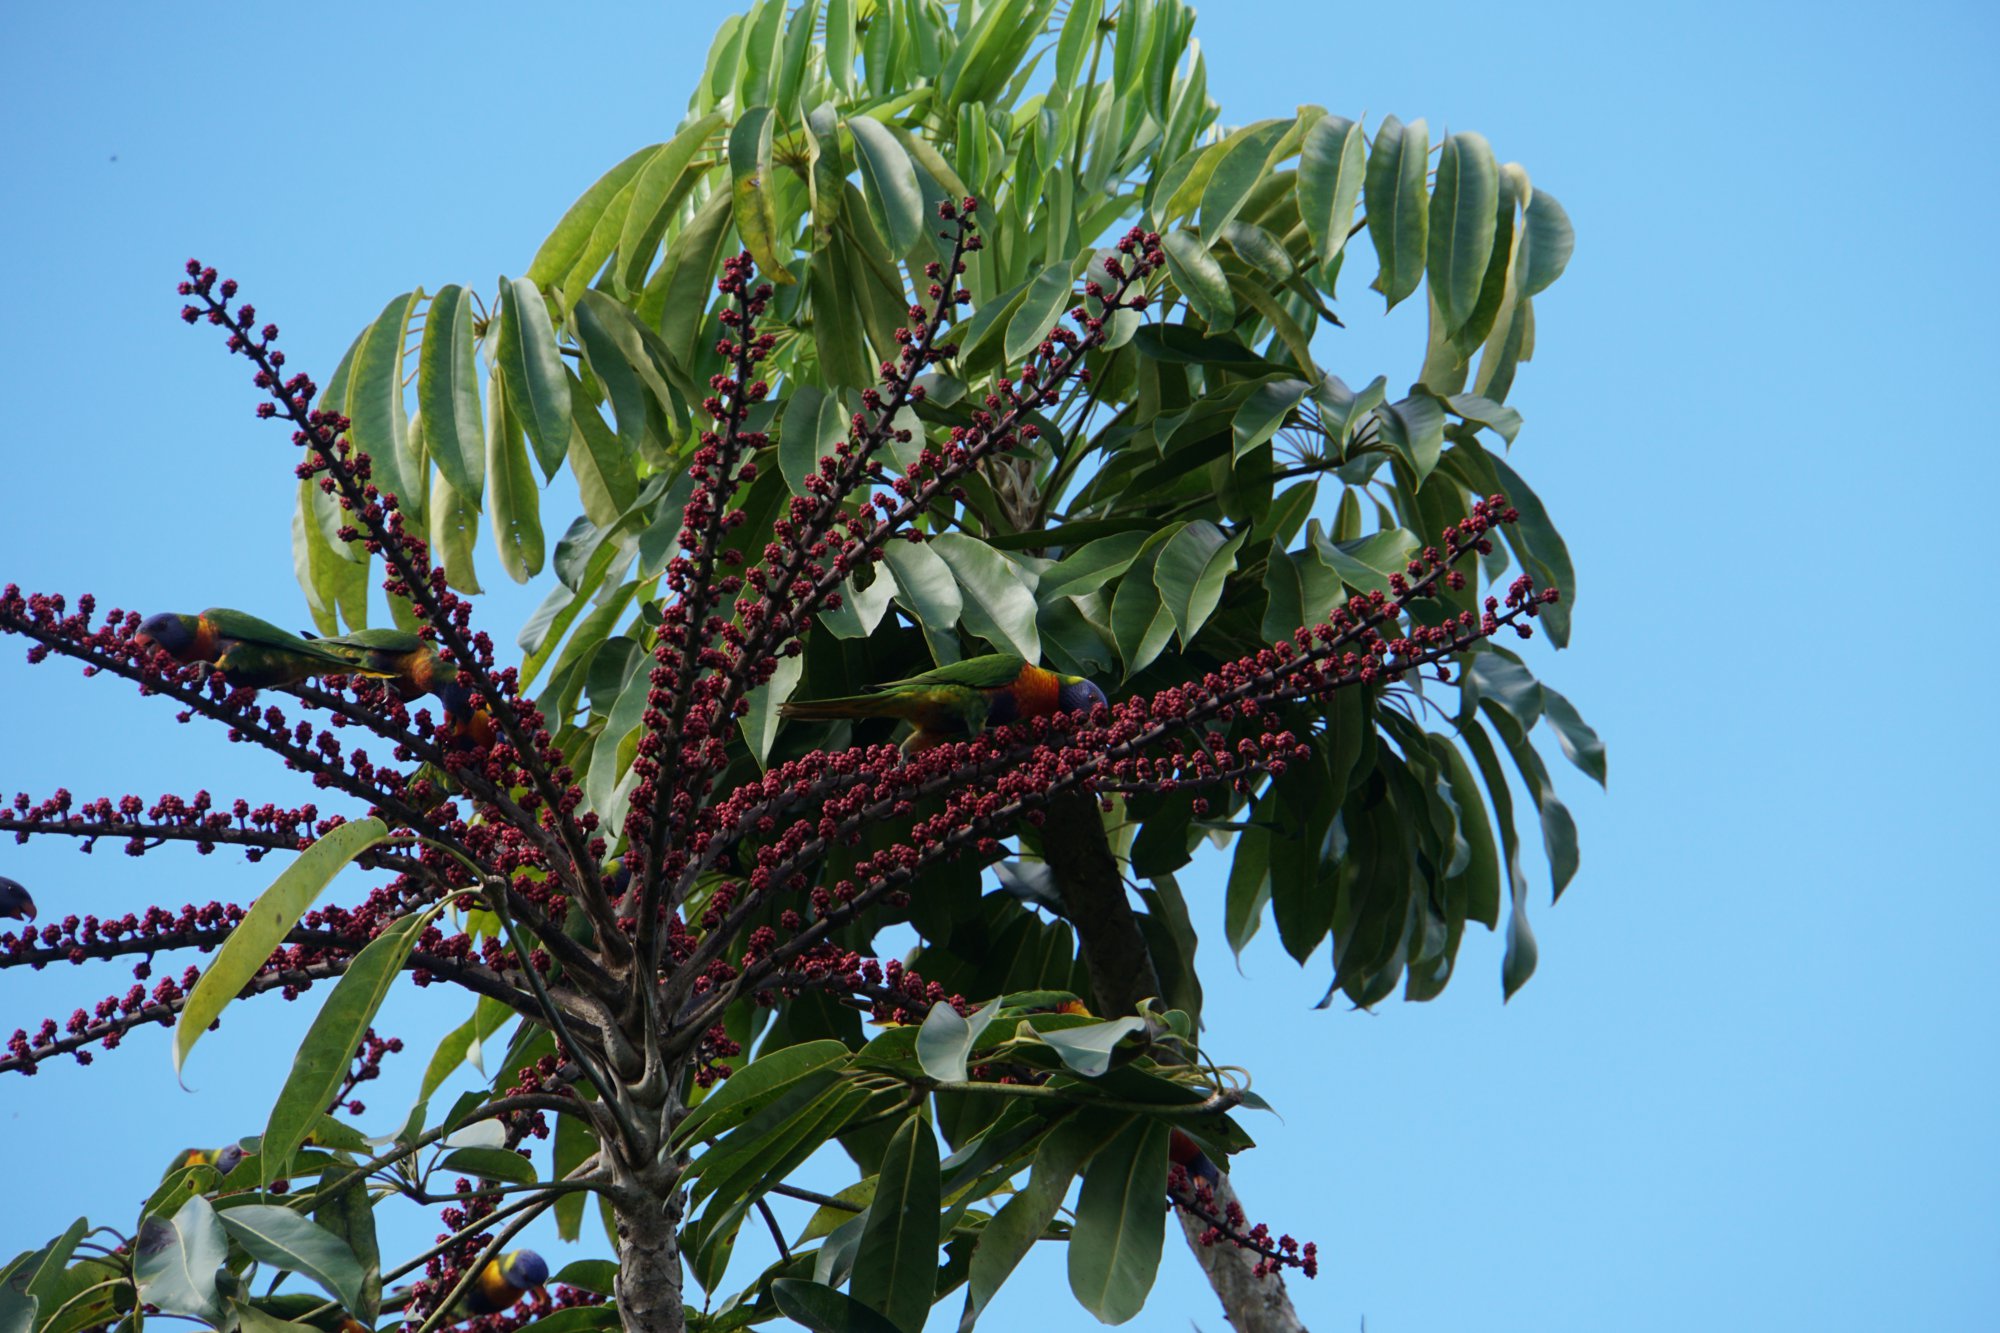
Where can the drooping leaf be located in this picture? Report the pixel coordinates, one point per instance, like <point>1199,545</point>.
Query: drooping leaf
<point>531,365</point>
<point>1398,207</point>
<point>266,924</point>
<point>889,182</point>
<point>1200,278</point>
<point>751,187</point>
<point>448,394</point>
<point>1332,162</point>
<point>823,1309</point>
<point>337,1031</point>
<point>895,1265</point>
<point>1114,1250</point>
<point>175,1261</point>
<point>290,1243</point>
<point>999,599</point>
<point>1461,225</point>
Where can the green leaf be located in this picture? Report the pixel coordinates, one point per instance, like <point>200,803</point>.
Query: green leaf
<point>448,394</point>
<point>328,1050</point>
<point>750,186</point>
<point>999,601</point>
<point>176,1259</point>
<point>287,1242</point>
<point>1398,208</point>
<point>374,402</point>
<point>1090,566</point>
<point>614,345</point>
<point>760,724</point>
<point>690,269</point>
<point>1558,825</point>
<point>349,1213</point>
<point>1200,279</point>
<point>889,178</point>
<point>1462,216</point>
<point>1546,245</point>
<point>598,1275</point>
<point>265,926</point>
<point>1249,887</point>
<point>1366,563</point>
<point>1190,572</point>
<point>1242,163</point>
<point>1050,292</point>
<point>1087,1050</point>
<point>514,513</point>
<point>490,1164</point>
<point>1580,744</point>
<point>454,535</point>
<point>1263,412</point>
<point>1114,1249</point>
<point>824,1310</point>
<point>533,371</point>
<point>565,245</point>
<point>574,1144</point>
<point>794,58</point>
<point>1518,963</point>
<point>925,585</point>
<point>758,1084</point>
<point>1414,428</point>
<point>840,44</point>
<point>812,427</point>
<point>657,191</point>
<point>1141,625</point>
<point>946,1039</point>
<point>1541,548</point>
<point>1021,1222</point>
<point>895,1265</point>
<point>1332,162</point>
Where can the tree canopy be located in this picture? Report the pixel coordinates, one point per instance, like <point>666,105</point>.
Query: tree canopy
<point>931,335</point>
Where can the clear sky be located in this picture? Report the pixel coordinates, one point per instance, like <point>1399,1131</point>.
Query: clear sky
<point>1752,1084</point>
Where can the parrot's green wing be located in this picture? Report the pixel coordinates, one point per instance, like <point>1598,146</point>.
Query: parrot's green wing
<point>990,672</point>
<point>378,640</point>
<point>248,629</point>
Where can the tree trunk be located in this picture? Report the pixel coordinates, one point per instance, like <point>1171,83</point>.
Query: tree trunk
<point>1121,975</point>
<point>649,1264</point>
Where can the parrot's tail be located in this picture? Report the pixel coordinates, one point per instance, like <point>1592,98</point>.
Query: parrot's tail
<point>829,710</point>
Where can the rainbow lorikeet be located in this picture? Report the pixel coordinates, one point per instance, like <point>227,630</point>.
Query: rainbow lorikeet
<point>14,900</point>
<point>224,1160</point>
<point>250,653</point>
<point>1185,1153</point>
<point>395,654</point>
<point>505,1280</point>
<point>958,701</point>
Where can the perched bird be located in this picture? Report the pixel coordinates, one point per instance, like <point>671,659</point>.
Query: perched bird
<point>14,900</point>
<point>958,701</point>
<point>250,653</point>
<point>505,1280</point>
<point>395,654</point>
<point>465,727</point>
<point>223,1159</point>
<point>1185,1153</point>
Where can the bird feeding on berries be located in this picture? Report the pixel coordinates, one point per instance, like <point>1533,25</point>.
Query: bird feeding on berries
<point>956,702</point>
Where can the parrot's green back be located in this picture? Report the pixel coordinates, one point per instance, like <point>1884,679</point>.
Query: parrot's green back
<point>247,629</point>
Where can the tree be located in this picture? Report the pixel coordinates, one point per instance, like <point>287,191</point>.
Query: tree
<point>918,446</point>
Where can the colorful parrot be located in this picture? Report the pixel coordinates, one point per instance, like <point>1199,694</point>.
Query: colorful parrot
<point>224,1159</point>
<point>396,654</point>
<point>14,900</point>
<point>958,701</point>
<point>250,653</point>
<point>1185,1153</point>
<point>505,1280</point>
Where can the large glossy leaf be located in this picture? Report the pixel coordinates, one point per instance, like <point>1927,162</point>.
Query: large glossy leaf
<point>290,1243</point>
<point>1114,1250</point>
<point>1366,563</point>
<point>1087,1050</point>
<point>328,1050</point>
<point>824,1310</point>
<point>1249,887</point>
<point>537,386</point>
<point>1541,548</point>
<point>448,393</point>
<point>374,403</point>
<point>999,598</point>
<point>1200,278</point>
<point>1580,744</point>
<point>895,1265</point>
<point>758,1084</point>
<point>1091,566</point>
<point>1241,165</point>
<point>657,191</point>
<point>1414,428</point>
<point>1190,572</point>
<point>1398,207</point>
<point>1050,292</point>
<point>946,1039</point>
<point>751,184</point>
<point>1332,161</point>
<point>1517,964</point>
<point>565,245</point>
<point>889,182</point>
<point>925,585</point>
<point>176,1258</point>
<point>266,924</point>
<point>514,505</point>
<point>1263,412</point>
<point>1462,218</point>
<point>1547,243</point>
<point>1021,1222</point>
<point>1141,625</point>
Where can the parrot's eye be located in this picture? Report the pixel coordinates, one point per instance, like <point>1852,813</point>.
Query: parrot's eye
<point>1080,697</point>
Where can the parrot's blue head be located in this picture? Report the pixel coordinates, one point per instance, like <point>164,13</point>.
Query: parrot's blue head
<point>1079,695</point>
<point>226,1160</point>
<point>524,1269</point>
<point>173,634</point>
<point>14,900</point>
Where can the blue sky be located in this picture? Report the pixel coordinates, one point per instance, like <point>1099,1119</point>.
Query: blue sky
<point>1751,1085</point>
